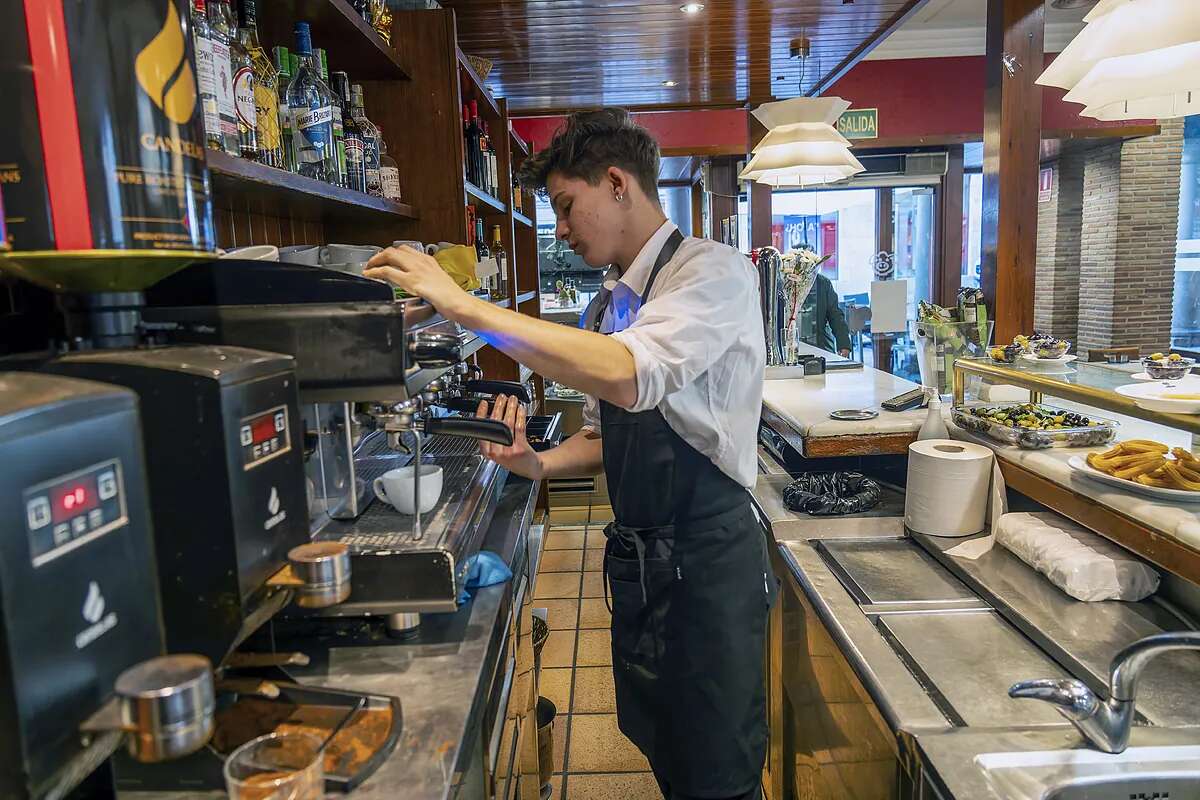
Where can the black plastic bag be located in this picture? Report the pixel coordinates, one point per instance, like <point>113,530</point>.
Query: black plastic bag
<point>827,494</point>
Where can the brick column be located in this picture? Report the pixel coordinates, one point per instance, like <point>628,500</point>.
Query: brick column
<point>1128,241</point>
<point>1060,222</point>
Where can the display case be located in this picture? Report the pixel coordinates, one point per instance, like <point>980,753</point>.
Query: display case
<point>1163,527</point>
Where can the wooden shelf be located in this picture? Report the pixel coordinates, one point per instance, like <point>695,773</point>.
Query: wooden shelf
<point>351,45</point>
<point>484,198</point>
<point>522,219</point>
<point>285,192</point>
<point>479,93</point>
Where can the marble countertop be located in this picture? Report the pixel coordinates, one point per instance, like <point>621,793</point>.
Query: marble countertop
<point>804,404</point>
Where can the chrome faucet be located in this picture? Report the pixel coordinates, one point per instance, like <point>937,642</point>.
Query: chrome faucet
<point>1107,723</point>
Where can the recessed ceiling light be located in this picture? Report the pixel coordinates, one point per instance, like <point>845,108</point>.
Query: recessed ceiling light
<point>669,84</point>
<point>692,8</point>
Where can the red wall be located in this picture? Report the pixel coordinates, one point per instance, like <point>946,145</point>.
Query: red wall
<point>915,97</point>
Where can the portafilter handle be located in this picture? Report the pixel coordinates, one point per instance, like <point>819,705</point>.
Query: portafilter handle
<point>488,430</point>
<point>431,350</point>
<point>510,388</point>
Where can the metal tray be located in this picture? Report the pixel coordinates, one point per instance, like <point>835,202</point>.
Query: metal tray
<point>1093,436</point>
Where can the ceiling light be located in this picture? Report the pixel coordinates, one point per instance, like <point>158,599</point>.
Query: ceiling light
<point>802,147</point>
<point>669,84</point>
<point>692,8</point>
<point>1133,60</point>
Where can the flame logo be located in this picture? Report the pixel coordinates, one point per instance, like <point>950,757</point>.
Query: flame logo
<point>164,73</point>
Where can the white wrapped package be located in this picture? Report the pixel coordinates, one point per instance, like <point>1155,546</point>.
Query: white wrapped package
<point>1082,564</point>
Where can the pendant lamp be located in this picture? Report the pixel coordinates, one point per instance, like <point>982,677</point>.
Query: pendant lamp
<point>802,147</point>
<point>1134,59</point>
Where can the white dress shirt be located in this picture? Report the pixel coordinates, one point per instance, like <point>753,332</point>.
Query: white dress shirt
<point>697,346</point>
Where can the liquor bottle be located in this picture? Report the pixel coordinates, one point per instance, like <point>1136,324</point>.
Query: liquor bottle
<point>370,135</point>
<point>283,66</point>
<point>220,26</point>
<point>266,103</point>
<point>389,172</point>
<point>243,93</point>
<point>205,76</point>
<point>501,262</point>
<point>338,128</point>
<point>311,106</point>
<point>352,141</point>
<point>475,135</point>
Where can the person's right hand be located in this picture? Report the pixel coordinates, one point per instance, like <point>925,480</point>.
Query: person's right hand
<point>518,457</point>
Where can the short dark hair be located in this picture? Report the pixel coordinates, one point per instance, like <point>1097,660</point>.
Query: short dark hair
<point>588,144</point>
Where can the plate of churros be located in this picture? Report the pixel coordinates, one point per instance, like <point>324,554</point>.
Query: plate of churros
<point>1145,467</point>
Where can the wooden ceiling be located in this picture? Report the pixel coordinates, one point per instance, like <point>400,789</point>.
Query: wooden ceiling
<point>558,55</point>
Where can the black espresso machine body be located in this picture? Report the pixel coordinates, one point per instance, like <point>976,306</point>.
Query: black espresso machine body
<point>78,595</point>
<point>226,478</point>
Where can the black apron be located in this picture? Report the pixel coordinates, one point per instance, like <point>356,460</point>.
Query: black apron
<point>687,569</point>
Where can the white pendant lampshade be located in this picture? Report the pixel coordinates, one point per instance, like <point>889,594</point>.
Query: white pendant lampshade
<point>801,148</point>
<point>1135,59</point>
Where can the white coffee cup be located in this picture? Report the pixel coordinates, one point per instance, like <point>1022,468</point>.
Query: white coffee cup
<point>395,487</point>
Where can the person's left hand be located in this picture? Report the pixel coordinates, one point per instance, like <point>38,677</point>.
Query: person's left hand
<point>418,274</point>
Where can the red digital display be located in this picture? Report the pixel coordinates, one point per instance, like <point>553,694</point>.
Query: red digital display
<point>263,428</point>
<point>72,499</point>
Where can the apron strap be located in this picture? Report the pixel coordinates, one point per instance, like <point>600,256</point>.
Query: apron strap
<point>666,254</point>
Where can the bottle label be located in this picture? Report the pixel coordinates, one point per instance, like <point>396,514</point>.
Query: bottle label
<point>244,100</point>
<point>223,73</point>
<point>389,182</point>
<point>208,86</point>
<point>315,128</point>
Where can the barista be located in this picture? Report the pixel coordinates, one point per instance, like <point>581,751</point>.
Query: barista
<point>671,356</point>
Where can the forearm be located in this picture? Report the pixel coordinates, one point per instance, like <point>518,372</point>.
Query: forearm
<point>590,362</point>
<point>579,456</point>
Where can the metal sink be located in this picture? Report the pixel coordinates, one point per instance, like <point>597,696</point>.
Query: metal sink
<point>1140,773</point>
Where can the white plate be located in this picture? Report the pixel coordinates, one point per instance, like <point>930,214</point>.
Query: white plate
<point>1049,362</point>
<point>1145,376</point>
<point>1079,464</point>
<point>1150,397</point>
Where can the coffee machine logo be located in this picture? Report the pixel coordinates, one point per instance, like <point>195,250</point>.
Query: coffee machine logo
<point>164,73</point>
<point>99,623</point>
<point>273,508</point>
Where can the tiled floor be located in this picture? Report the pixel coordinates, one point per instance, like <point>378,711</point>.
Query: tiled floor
<point>592,759</point>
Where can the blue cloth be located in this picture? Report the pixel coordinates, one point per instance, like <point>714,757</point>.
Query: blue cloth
<point>485,568</point>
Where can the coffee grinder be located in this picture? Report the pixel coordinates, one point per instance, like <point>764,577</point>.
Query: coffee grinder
<point>81,664</point>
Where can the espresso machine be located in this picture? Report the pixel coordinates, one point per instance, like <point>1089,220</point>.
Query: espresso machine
<point>81,642</point>
<point>378,380</point>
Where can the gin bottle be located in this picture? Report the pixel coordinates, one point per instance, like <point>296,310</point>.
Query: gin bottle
<point>311,106</point>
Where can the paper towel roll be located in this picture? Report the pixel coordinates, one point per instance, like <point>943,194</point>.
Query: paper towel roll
<point>948,483</point>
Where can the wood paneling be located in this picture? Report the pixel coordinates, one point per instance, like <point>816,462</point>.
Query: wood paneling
<point>567,54</point>
<point>1011,146</point>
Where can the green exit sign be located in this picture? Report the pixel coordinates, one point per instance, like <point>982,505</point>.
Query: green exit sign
<point>859,123</point>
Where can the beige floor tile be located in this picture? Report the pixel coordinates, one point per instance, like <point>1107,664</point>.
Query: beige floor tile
<point>597,745</point>
<point>595,649</point>
<point>557,586</point>
<point>593,560</point>
<point>601,514</point>
<point>561,615</point>
<point>594,692</point>
<point>569,516</point>
<point>593,613</point>
<point>555,686</point>
<point>564,540</point>
<point>593,584</point>
<point>559,650</point>
<point>618,786</point>
<point>561,561</point>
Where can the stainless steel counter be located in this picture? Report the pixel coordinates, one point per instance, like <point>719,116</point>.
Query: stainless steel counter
<point>443,676</point>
